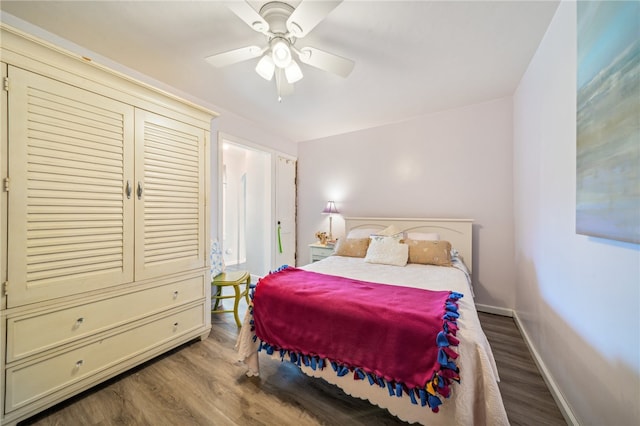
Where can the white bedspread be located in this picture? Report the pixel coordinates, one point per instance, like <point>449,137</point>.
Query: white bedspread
<point>475,401</point>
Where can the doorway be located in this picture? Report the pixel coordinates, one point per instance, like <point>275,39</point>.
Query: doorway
<point>246,203</point>
<point>257,207</point>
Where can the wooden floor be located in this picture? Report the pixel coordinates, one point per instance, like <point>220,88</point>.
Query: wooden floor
<point>200,383</point>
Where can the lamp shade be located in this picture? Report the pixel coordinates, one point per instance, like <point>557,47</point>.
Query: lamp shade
<point>330,208</point>
<point>266,67</point>
<point>293,72</point>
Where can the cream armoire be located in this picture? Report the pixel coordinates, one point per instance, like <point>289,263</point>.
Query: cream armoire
<point>104,254</point>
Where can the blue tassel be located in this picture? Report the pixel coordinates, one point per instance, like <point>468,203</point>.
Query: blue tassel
<point>423,397</point>
<point>456,295</point>
<point>390,388</point>
<point>443,359</point>
<point>321,363</point>
<point>434,401</point>
<point>359,374</point>
<point>451,316</point>
<point>260,346</point>
<point>380,382</point>
<point>334,366</point>
<point>313,363</point>
<point>270,350</point>
<point>398,390</point>
<point>371,379</point>
<point>293,357</point>
<point>343,370</point>
<point>281,268</point>
<point>442,340</point>
<point>254,339</point>
<point>450,306</point>
<point>412,396</point>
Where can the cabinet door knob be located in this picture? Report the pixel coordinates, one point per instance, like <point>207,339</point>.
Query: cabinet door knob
<point>139,190</point>
<point>128,189</point>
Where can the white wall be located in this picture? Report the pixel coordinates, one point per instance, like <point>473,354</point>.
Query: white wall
<point>455,163</point>
<point>577,297</point>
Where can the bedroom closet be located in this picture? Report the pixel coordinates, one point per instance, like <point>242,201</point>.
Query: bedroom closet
<point>104,259</point>
<point>257,207</point>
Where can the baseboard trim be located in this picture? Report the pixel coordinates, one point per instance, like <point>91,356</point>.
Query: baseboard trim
<point>562,403</point>
<point>488,309</point>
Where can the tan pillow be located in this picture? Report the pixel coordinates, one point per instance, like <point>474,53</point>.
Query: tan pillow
<point>429,252</point>
<point>352,247</point>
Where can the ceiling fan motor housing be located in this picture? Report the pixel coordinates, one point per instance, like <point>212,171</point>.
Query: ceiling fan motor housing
<point>276,14</point>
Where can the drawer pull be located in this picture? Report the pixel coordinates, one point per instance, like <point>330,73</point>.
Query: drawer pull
<point>79,363</point>
<point>175,326</point>
<point>175,294</point>
<point>78,323</point>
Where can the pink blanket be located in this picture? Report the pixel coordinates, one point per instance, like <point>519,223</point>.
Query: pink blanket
<point>398,337</point>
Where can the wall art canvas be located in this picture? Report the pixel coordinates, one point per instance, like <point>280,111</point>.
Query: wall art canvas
<point>608,120</point>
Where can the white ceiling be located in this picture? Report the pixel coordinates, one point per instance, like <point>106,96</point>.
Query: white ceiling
<point>411,57</point>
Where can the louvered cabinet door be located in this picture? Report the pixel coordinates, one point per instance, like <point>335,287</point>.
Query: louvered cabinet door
<point>70,221</point>
<point>170,196</point>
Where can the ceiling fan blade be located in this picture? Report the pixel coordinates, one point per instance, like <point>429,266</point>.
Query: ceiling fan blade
<point>248,14</point>
<point>234,56</point>
<point>309,14</point>
<point>326,61</point>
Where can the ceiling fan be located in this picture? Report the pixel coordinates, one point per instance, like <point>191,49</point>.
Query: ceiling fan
<point>284,25</point>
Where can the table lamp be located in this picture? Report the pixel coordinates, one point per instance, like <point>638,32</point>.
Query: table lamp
<point>330,209</point>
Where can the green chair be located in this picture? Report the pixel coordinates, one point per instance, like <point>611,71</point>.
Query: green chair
<point>227,279</point>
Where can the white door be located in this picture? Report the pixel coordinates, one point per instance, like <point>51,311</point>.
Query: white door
<point>285,215</point>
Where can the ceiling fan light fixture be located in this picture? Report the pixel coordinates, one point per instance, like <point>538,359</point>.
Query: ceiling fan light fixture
<point>280,53</point>
<point>292,72</point>
<point>266,67</point>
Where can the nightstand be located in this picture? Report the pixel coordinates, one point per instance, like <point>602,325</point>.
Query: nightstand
<point>320,251</point>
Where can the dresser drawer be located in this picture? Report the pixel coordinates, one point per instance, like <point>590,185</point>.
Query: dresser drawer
<point>30,382</point>
<point>27,335</point>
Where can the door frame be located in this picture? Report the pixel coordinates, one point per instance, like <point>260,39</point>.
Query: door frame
<point>222,136</point>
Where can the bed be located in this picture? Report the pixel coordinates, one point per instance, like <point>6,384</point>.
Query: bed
<point>472,396</point>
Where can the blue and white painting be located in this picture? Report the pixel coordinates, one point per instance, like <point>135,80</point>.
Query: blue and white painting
<point>608,120</point>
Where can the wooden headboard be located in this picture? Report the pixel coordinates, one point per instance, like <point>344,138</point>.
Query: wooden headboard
<point>457,231</point>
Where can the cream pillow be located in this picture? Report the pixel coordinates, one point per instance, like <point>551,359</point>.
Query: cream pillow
<point>388,251</point>
<point>429,252</point>
<point>389,231</point>
<point>352,247</point>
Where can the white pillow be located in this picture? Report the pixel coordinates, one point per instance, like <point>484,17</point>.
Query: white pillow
<point>422,236</point>
<point>388,251</point>
<point>361,233</point>
<point>389,230</point>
